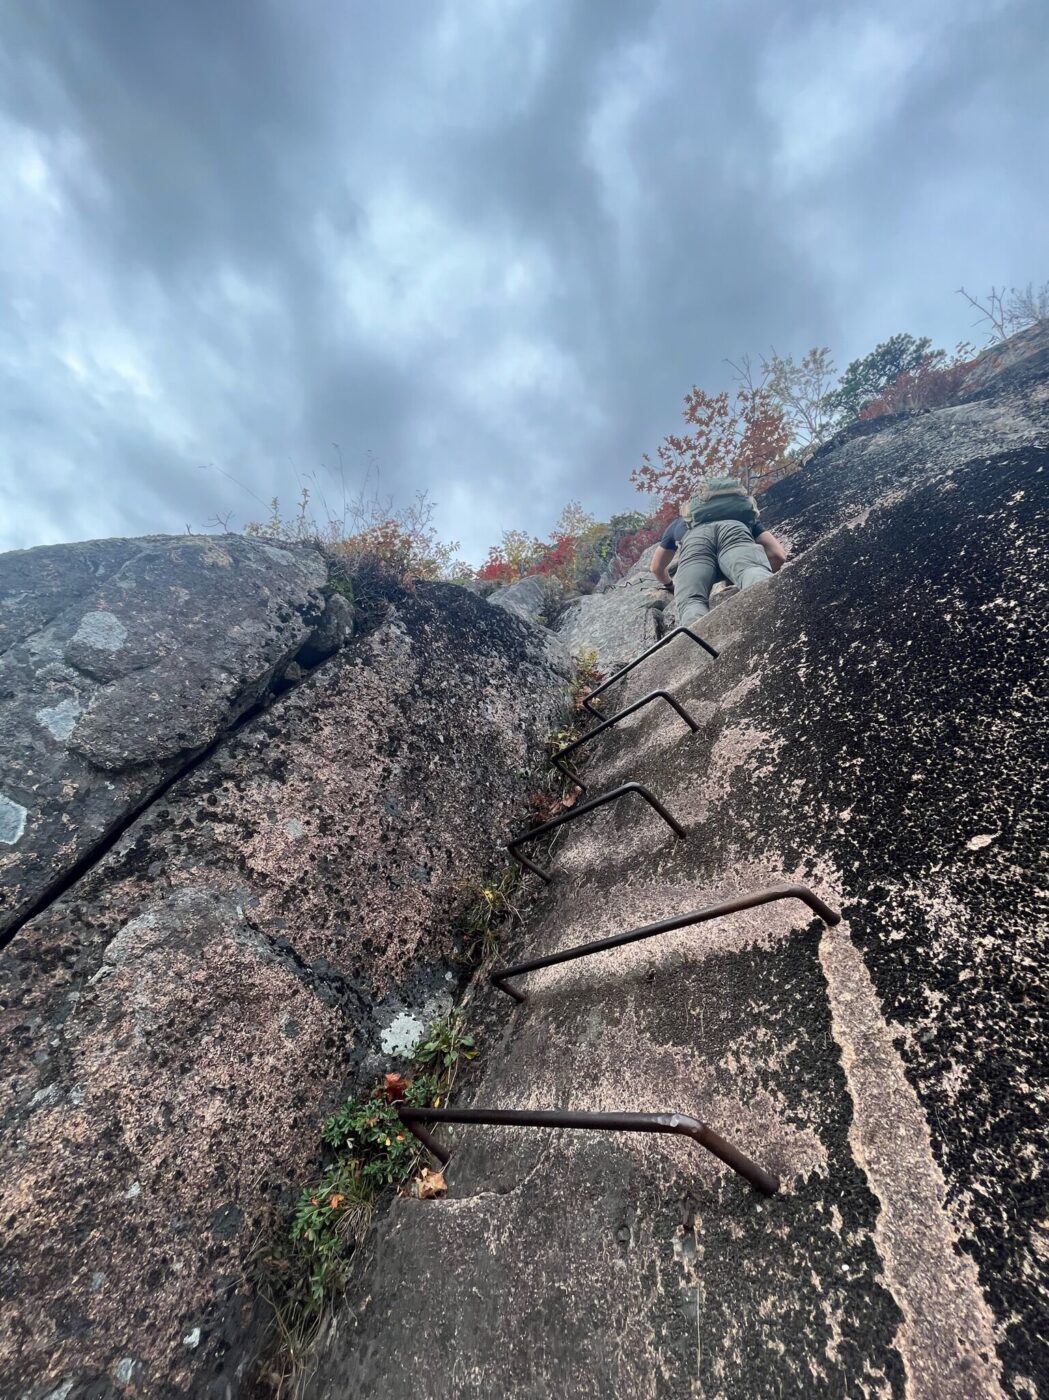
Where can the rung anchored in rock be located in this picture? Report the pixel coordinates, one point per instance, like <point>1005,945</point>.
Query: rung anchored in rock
<point>677,632</point>
<point>679,1123</point>
<point>581,810</point>
<point>635,935</point>
<point>558,758</point>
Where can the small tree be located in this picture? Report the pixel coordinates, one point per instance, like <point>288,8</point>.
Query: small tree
<point>930,385</point>
<point>1007,312</point>
<point>805,392</point>
<point>864,380</point>
<point>745,436</point>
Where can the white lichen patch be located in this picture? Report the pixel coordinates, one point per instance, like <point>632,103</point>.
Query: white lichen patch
<point>404,1033</point>
<point>60,720</point>
<point>977,843</point>
<point>12,820</point>
<point>102,630</point>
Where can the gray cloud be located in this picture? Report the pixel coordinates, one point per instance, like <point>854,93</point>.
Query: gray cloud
<point>488,244</point>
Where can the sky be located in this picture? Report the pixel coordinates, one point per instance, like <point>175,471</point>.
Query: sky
<point>479,248</point>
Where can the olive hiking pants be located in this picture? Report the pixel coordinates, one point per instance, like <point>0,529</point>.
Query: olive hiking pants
<point>724,546</point>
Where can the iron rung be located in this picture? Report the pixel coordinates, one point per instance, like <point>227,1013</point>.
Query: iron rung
<point>644,657</point>
<point>635,935</point>
<point>580,810</point>
<point>558,758</point>
<point>679,1123</point>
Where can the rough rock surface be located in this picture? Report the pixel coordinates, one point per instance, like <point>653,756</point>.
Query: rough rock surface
<point>532,599</point>
<point>121,659</point>
<point>618,623</point>
<point>175,1026</point>
<point>874,726</point>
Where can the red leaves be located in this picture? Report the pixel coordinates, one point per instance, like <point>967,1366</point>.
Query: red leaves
<point>394,1086</point>
<point>930,385</point>
<point>496,569</point>
<point>747,439</point>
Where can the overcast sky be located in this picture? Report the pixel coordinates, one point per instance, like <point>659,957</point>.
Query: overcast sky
<point>486,244</point>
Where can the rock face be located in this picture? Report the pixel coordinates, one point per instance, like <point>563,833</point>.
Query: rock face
<point>121,659</point>
<point>873,727</point>
<point>532,599</point>
<point>618,623</point>
<point>177,1023</point>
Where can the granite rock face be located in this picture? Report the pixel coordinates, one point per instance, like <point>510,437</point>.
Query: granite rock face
<point>619,622</point>
<point>532,599</point>
<point>176,1025</point>
<point>873,727</point>
<point>121,660</point>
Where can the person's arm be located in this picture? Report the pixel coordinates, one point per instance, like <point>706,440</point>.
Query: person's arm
<point>774,551</point>
<point>660,560</point>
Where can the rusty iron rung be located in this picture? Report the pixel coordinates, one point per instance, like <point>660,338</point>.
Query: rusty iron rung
<point>677,631</point>
<point>580,810</point>
<point>681,1124</point>
<point>558,758</point>
<point>635,935</point>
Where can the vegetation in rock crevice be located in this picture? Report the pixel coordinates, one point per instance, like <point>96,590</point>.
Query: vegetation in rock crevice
<point>490,912</point>
<point>370,1153</point>
<point>303,1275</point>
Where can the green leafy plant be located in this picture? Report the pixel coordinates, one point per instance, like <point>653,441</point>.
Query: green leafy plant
<point>369,1129</point>
<point>588,677</point>
<point>444,1045</point>
<point>304,1273</point>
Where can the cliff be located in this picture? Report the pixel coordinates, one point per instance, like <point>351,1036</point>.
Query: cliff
<point>874,728</point>
<point>236,813</point>
<point>239,873</point>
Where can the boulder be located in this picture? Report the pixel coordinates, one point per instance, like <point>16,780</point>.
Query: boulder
<point>124,660</point>
<point>177,1024</point>
<point>533,599</point>
<point>619,622</point>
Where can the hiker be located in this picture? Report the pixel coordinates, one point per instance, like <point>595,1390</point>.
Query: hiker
<point>719,533</point>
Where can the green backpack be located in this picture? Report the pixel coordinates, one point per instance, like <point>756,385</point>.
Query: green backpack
<point>721,498</point>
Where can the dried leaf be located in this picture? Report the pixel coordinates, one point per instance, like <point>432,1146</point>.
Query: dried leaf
<point>395,1086</point>
<point>428,1185</point>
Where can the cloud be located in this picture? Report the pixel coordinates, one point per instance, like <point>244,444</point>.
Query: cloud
<point>487,245</point>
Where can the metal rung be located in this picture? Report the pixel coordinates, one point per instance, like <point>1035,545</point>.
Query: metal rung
<point>643,657</point>
<point>635,935</point>
<point>558,758</point>
<point>678,1123</point>
<point>579,810</point>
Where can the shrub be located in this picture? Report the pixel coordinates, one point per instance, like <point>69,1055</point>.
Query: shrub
<point>930,384</point>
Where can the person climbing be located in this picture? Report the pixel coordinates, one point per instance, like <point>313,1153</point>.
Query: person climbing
<point>719,532</point>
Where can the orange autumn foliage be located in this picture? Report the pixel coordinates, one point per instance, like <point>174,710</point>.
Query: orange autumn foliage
<point>746,436</point>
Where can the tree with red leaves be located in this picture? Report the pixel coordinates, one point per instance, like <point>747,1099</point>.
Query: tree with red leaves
<point>745,436</point>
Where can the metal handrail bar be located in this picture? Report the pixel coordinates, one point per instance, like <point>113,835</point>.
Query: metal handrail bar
<point>557,759</point>
<point>644,657</point>
<point>580,810</point>
<point>679,1123</point>
<point>635,935</point>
